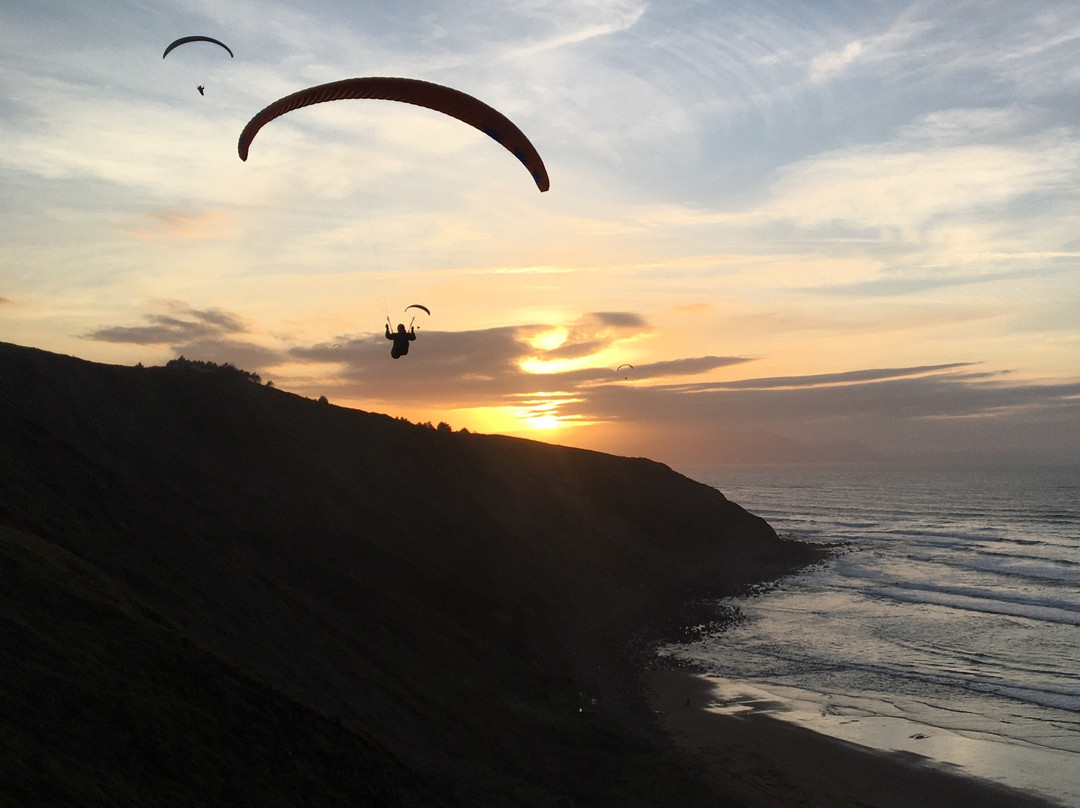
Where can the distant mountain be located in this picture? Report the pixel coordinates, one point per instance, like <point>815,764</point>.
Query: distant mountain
<point>219,593</point>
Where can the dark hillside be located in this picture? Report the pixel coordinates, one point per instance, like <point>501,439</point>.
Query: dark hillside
<point>454,612</point>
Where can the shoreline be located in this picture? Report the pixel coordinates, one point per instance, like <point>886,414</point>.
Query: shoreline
<point>765,762</point>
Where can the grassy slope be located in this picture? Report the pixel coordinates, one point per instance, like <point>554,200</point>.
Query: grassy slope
<point>105,704</point>
<point>453,612</point>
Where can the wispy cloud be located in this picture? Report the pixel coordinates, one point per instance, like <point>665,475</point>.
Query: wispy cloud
<point>608,18</point>
<point>691,366</point>
<point>895,43</point>
<point>181,224</point>
<point>936,413</point>
<point>207,334</point>
<point>827,379</point>
<point>906,188</point>
<point>185,325</point>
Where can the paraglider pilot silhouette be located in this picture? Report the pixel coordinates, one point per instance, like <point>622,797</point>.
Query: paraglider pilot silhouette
<point>401,339</point>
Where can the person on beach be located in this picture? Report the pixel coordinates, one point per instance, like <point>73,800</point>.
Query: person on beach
<point>401,339</point>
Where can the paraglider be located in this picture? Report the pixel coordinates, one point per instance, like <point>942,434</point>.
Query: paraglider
<point>185,39</point>
<point>424,309</point>
<point>410,91</point>
<point>624,365</point>
<point>401,339</point>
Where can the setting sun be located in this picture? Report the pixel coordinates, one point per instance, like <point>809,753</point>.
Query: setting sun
<point>542,411</point>
<point>549,340</point>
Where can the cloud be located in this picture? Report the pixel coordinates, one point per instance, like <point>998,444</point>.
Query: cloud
<point>187,326</point>
<point>948,407</point>
<point>182,224</point>
<point>685,367</point>
<point>213,335</point>
<point>603,329</point>
<point>825,65</point>
<point>620,319</point>
<point>491,366</point>
<point>829,379</point>
<point>466,368</point>
<point>896,285</point>
<point>896,412</point>
<point>614,17</point>
<point>905,188</point>
<point>902,40</point>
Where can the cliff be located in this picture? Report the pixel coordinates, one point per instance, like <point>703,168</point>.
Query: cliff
<point>219,593</point>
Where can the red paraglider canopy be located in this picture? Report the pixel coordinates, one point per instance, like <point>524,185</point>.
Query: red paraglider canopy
<point>410,91</point>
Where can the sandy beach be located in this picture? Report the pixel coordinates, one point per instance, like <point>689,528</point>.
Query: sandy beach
<point>764,762</point>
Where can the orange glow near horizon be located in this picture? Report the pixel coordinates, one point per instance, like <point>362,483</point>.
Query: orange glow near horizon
<point>541,412</point>
<point>538,413</point>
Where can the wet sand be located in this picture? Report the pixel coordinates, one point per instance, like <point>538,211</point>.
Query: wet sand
<point>765,762</point>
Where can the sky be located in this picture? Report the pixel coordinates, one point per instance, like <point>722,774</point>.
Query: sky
<point>818,231</point>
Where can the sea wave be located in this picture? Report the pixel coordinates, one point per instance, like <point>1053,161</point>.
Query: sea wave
<point>988,602</point>
<point>955,603</point>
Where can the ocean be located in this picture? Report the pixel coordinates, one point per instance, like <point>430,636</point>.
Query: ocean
<point>948,626</point>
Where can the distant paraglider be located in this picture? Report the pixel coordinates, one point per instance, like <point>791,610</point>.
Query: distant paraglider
<point>410,91</point>
<point>624,365</point>
<point>424,309</point>
<point>185,39</point>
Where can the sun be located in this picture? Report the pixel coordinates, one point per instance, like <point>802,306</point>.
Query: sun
<point>546,422</point>
<point>549,340</point>
<point>544,411</point>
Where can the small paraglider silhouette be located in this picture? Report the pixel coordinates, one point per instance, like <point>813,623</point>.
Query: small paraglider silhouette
<point>424,309</point>
<point>186,39</point>
<point>624,365</point>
